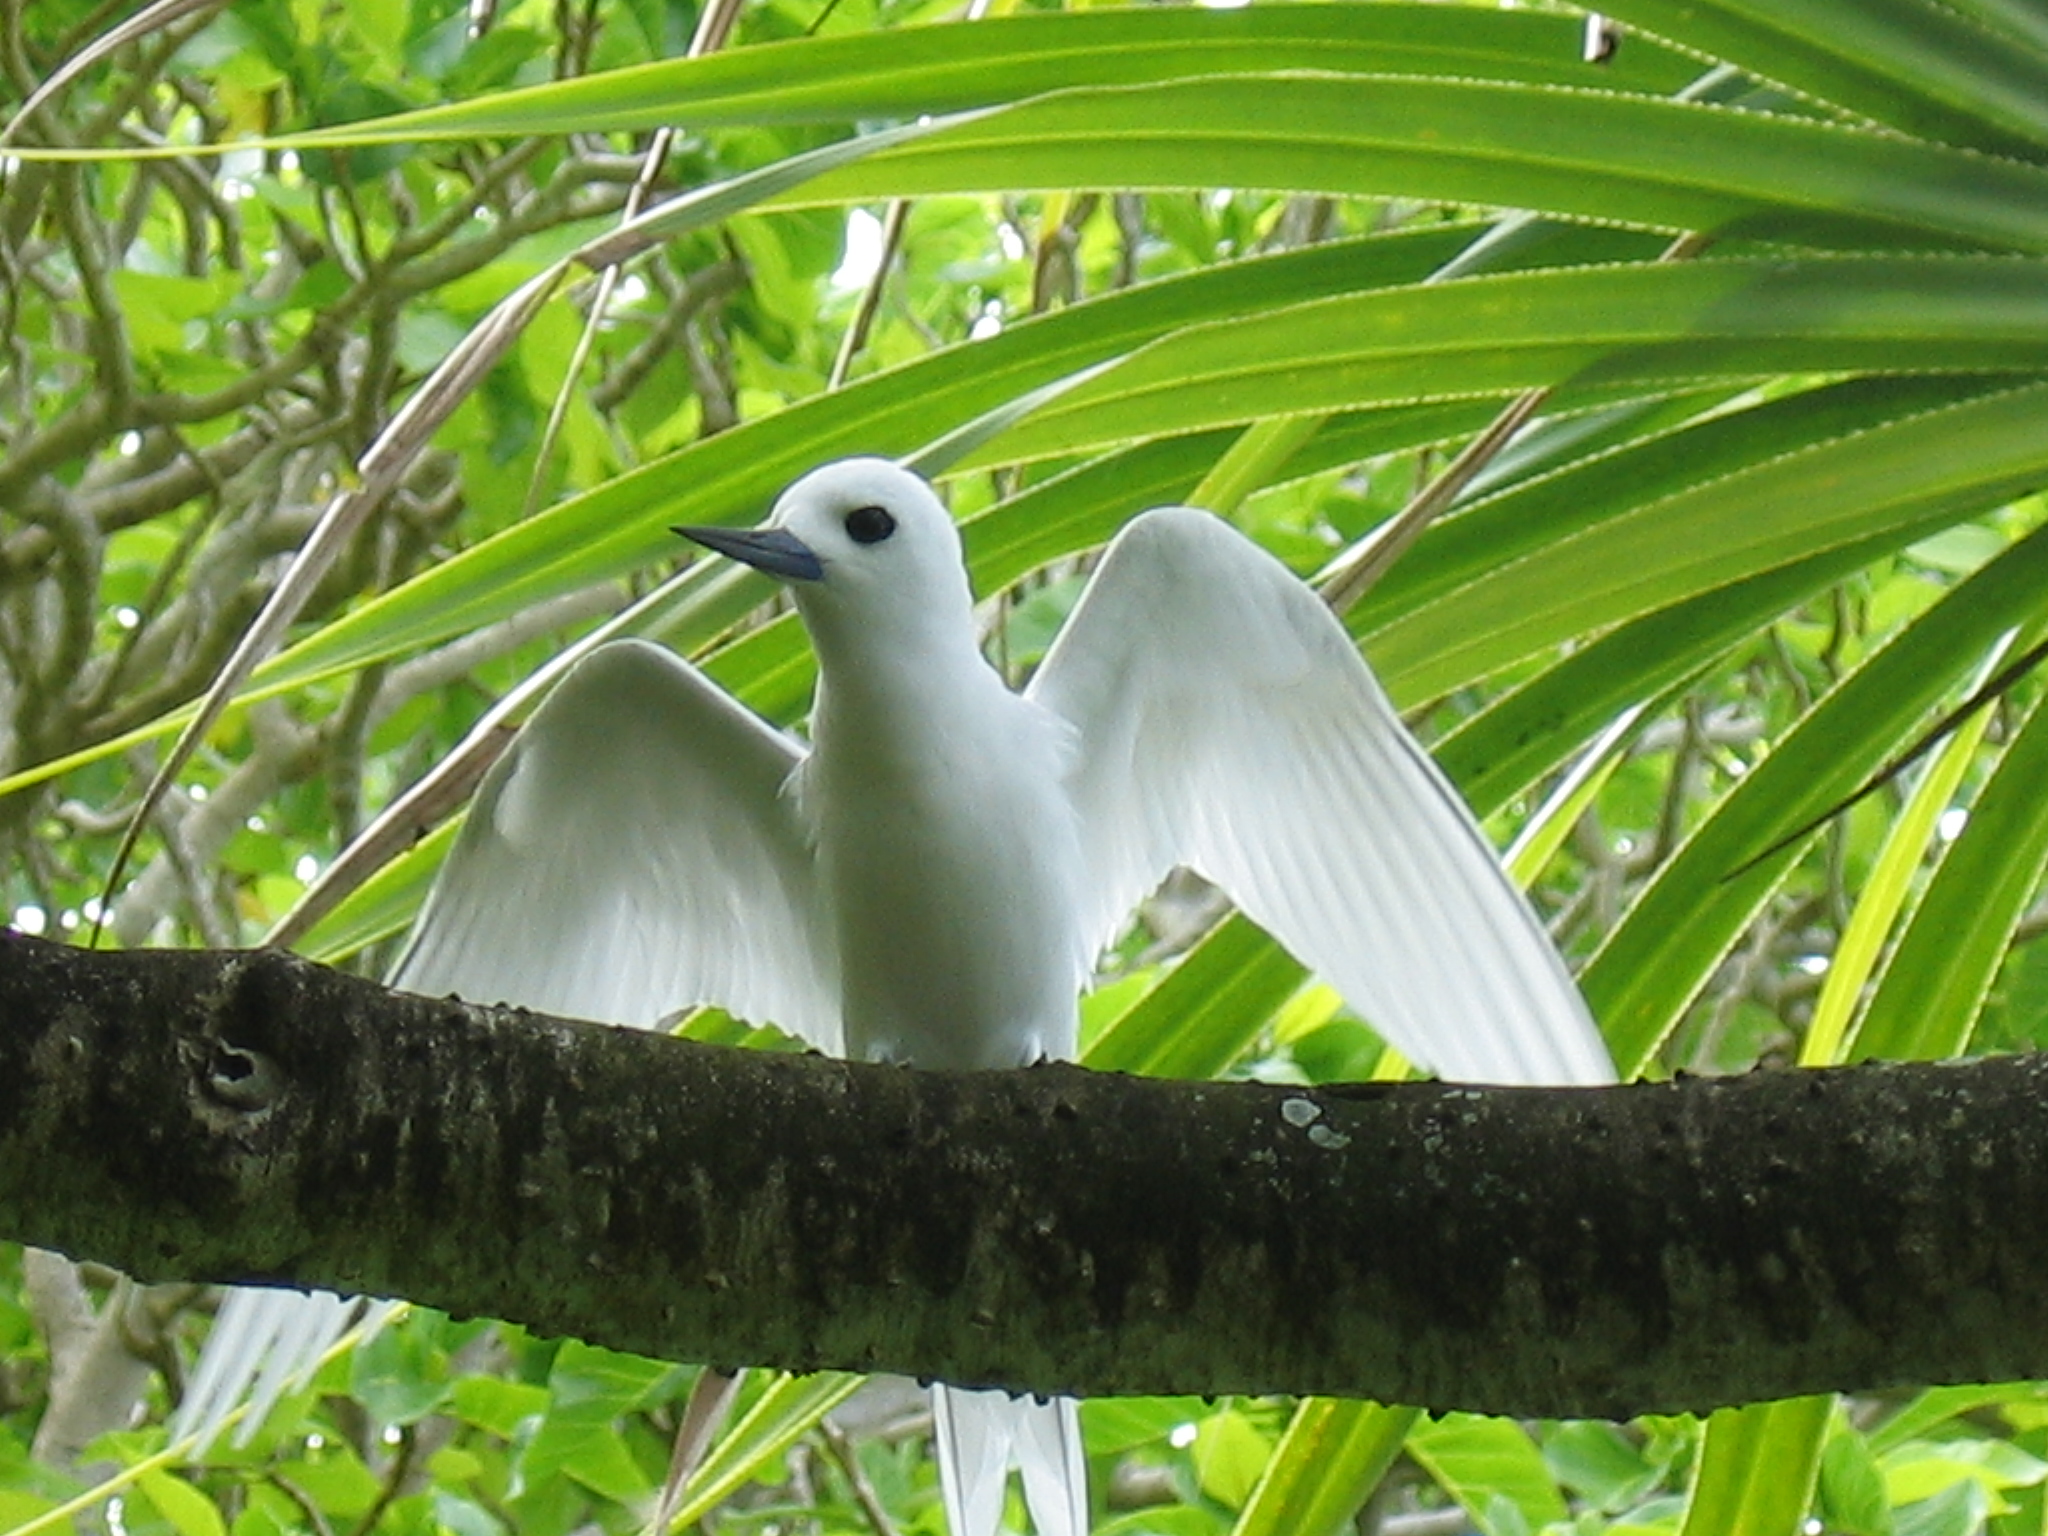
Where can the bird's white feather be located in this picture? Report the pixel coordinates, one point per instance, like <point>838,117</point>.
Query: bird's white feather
<point>971,1435</point>
<point>269,1341</point>
<point>1053,1464</point>
<point>632,853</point>
<point>978,1435</point>
<point>1228,723</point>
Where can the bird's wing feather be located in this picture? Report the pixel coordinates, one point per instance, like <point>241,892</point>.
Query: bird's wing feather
<point>1228,723</point>
<point>631,853</point>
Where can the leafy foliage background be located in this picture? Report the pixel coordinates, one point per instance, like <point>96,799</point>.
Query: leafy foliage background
<point>1777,510</point>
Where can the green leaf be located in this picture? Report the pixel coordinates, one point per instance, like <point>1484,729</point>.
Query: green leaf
<point>1482,1462</point>
<point>1593,333</point>
<point>1229,1454</point>
<point>1906,844</point>
<point>334,1477</point>
<point>189,1511</point>
<point>1758,1466</point>
<point>500,1406</point>
<point>1851,1491</point>
<point>1206,1011</point>
<point>1958,1510</point>
<point>1649,967</point>
<point>1113,1424</point>
<point>1919,1469</point>
<point>591,1389</point>
<point>1522,734</point>
<point>909,71</point>
<point>1729,172</point>
<point>1937,1406</point>
<point>382,905</point>
<point>1936,982</point>
<point>398,1373</point>
<point>1575,482</point>
<point>462,1517</point>
<point>18,1508</point>
<point>1332,1456</point>
<point>1921,68</point>
<point>1894,481</point>
<point>1601,1463</point>
<point>789,1408</point>
<point>1171,1520</point>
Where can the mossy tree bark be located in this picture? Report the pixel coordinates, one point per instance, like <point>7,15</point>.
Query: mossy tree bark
<point>247,1115</point>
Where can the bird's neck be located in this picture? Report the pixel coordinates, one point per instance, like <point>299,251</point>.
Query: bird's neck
<point>909,693</point>
<point>876,652</point>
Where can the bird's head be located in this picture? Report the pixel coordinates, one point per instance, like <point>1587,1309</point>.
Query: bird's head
<point>865,546</point>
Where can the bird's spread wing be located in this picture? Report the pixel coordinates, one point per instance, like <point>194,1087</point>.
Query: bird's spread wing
<point>1228,723</point>
<point>631,854</point>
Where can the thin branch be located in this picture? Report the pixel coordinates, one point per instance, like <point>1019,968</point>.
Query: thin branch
<point>151,18</point>
<point>698,292</point>
<point>840,1444</point>
<point>870,303</point>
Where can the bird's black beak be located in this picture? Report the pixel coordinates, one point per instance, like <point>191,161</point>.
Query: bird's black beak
<point>775,551</point>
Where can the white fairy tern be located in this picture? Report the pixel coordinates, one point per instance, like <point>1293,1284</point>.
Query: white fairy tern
<point>930,880</point>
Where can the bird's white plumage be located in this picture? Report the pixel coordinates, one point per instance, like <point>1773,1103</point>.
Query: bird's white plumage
<point>264,1337</point>
<point>634,851</point>
<point>949,855</point>
<point>979,1435</point>
<point>930,882</point>
<point>1227,723</point>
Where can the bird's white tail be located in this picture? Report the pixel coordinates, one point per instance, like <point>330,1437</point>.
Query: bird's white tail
<point>980,1435</point>
<point>264,1343</point>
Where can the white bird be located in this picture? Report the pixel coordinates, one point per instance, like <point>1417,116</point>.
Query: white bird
<point>930,881</point>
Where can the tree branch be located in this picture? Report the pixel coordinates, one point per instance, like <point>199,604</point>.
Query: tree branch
<point>1536,1252</point>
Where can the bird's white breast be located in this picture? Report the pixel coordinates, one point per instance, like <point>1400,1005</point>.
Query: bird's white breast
<point>950,864</point>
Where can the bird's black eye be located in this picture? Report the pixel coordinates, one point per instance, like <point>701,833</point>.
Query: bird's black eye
<point>869,525</point>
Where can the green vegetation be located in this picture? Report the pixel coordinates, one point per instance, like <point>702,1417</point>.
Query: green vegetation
<point>1779,270</point>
